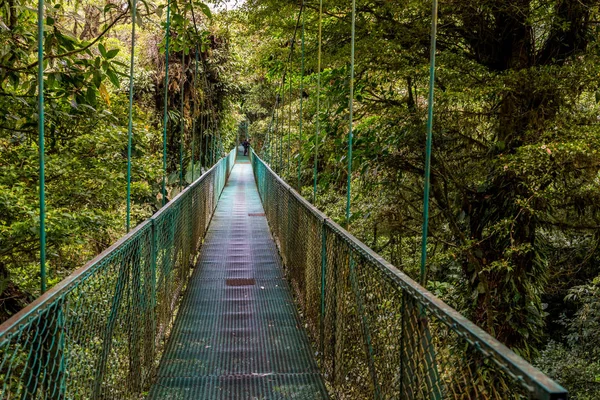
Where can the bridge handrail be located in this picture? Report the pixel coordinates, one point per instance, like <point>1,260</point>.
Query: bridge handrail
<point>35,342</point>
<point>536,384</point>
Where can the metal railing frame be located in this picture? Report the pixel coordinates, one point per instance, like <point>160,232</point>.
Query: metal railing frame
<point>17,339</point>
<point>539,386</point>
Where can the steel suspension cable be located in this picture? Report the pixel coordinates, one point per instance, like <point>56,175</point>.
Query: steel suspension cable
<point>204,118</point>
<point>130,123</point>
<point>213,145</point>
<point>214,129</point>
<point>281,133</point>
<point>166,116</point>
<point>211,114</point>
<point>351,116</point>
<point>301,100</point>
<point>434,17</point>
<point>289,146</point>
<point>195,112</point>
<point>42,161</point>
<point>318,127</point>
<point>205,128</point>
<point>182,120</point>
<point>195,116</point>
<point>270,131</point>
<point>282,84</point>
<point>276,128</point>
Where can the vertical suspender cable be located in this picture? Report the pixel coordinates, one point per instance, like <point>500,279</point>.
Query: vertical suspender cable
<point>351,116</point>
<point>275,116</point>
<point>276,128</point>
<point>434,15</point>
<point>130,125</point>
<point>216,130</point>
<point>282,119</point>
<point>166,117</point>
<point>195,111</point>
<point>41,145</point>
<point>318,103</point>
<point>289,145</point>
<point>195,115</point>
<point>202,116</point>
<point>182,119</point>
<point>213,154</point>
<point>301,100</point>
<point>205,128</point>
<point>270,132</point>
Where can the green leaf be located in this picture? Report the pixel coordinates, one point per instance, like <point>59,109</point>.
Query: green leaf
<point>205,9</point>
<point>97,79</point>
<point>102,50</point>
<point>113,78</point>
<point>112,53</point>
<point>90,95</point>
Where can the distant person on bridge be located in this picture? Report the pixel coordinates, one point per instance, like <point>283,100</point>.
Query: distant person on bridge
<point>246,144</point>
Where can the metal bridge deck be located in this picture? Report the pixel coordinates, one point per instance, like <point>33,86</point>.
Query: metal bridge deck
<point>238,334</point>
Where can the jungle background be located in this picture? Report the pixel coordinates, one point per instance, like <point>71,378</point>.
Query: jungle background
<point>514,231</point>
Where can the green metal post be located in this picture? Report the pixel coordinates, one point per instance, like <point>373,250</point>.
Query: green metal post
<point>434,14</point>
<point>195,116</point>
<point>351,116</point>
<point>213,158</point>
<point>280,159</point>
<point>301,100</point>
<point>206,159</point>
<point>130,124</point>
<point>270,131</point>
<point>166,116</point>
<point>323,288</point>
<point>289,143</point>
<point>318,102</point>
<point>274,163</point>
<point>182,120</point>
<point>41,145</point>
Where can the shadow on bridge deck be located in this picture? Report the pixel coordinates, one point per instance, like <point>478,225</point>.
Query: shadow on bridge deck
<point>238,334</point>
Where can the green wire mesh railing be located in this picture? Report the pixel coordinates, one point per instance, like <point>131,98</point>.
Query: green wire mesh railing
<point>378,334</point>
<point>100,333</point>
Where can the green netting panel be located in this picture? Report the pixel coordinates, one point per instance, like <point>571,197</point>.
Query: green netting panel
<point>100,333</point>
<point>376,332</point>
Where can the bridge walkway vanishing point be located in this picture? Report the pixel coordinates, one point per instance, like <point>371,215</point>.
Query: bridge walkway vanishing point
<point>237,333</point>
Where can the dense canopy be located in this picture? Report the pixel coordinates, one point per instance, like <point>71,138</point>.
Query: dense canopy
<point>515,186</point>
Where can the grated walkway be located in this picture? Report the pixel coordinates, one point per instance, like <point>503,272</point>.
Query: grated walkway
<point>238,334</point>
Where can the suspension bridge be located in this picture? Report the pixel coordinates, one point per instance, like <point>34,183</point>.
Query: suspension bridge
<point>239,288</point>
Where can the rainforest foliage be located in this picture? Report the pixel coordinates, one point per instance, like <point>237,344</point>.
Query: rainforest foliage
<point>86,73</point>
<point>515,210</point>
<point>514,228</point>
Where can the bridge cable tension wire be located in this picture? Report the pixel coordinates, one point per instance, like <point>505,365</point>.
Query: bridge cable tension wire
<point>318,122</point>
<point>301,100</point>
<point>434,18</point>
<point>281,89</point>
<point>182,119</point>
<point>130,111</point>
<point>195,115</point>
<point>289,143</point>
<point>166,116</point>
<point>42,161</point>
<point>351,116</point>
